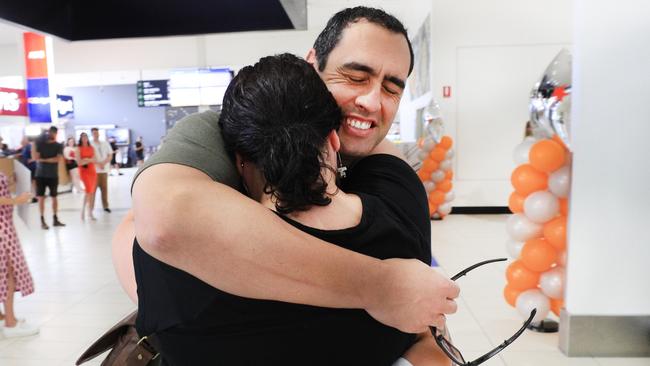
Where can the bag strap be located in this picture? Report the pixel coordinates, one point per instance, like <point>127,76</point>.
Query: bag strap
<point>108,339</point>
<point>144,352</point>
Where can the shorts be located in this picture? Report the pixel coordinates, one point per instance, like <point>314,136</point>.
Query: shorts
<point>51,183</point>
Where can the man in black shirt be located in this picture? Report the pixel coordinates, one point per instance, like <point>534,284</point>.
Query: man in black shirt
<point>47,153</point>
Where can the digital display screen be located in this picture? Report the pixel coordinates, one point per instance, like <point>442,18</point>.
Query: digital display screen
<point>198,86</point>
<point>121,135</point>
<point>153,93</point>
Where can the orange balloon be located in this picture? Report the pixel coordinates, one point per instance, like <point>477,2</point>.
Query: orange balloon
<point>444,186</point>
<point>516,202</point>
<point>557,139</point>
<point>510,294</point>
<point>449,174</point>
<point>564,206</point>
<point>429,165</point>
<point>555,233</point>
<point>547,156</point>
<point>527,180</point>
<point>556,305</point>
<point>445,142</point>
<point>521,278</point>
<point>538,255</point>
<point>438,153</point>
<point>432,208</point>
<point>423,175</point>
<point>436,197</point>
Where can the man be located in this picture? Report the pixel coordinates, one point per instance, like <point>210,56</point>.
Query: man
<point>47,153</point>
<point>188,215</point>
<point>103,154</point>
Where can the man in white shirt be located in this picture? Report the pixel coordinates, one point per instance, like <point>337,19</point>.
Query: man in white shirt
<point>103,154</point>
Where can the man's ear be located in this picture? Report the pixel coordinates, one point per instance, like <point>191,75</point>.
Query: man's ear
<point>311,58</point>
<point>239,161</point>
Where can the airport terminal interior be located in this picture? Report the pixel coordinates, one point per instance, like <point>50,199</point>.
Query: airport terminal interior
<point>526,123</point>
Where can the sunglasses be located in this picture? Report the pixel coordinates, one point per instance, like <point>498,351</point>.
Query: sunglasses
<point>452,352</point>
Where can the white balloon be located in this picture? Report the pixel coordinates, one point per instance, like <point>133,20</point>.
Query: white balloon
<point>435,215</point>
<point>533,299</point>
<point>428,145</point>
<point>561,258</point>
<point>450,196</point>
<point>559,182</point>
<point>438,176</point>
<point>429,186</point>
<point>514,248</point>
<point>444,209</point>
<point>422,155</point>
<point>520,154</point>
<point>445,165</point>
<point>450,154</point>
<point>520,228</point>
<point>541,206</point>
<point>552,281</point>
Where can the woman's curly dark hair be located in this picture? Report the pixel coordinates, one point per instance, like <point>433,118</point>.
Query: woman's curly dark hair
<point>278,114</point>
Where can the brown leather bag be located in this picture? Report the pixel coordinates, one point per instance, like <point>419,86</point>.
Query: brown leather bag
<point>128,349</point>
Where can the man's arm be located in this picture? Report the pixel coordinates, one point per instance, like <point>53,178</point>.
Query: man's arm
<point>426,352</point>
<point>211,231</point>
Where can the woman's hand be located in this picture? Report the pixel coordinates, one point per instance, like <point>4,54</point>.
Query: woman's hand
<point>23,198</point>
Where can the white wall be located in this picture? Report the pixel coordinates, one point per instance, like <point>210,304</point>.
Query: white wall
<point>11,60</point>
<point>608,271</point>
<point>491,53</point>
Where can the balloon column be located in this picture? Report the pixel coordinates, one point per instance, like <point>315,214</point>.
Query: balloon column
<point>435,173</point>
<point>541,181</point>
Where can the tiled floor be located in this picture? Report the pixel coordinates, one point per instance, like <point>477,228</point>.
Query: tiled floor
<point>77,296</point>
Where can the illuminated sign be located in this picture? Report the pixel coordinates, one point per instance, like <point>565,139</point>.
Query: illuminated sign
<point>38,99</point>
<point>64,106</point>
<point>153,93</point>
<point>38,87</point>
<point>13,102</point>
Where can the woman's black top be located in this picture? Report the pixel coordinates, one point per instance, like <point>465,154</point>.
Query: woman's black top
<point>197,324</point>
<point>139,153</point>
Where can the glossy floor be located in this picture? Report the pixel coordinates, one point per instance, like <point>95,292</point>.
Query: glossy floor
<point>77,296</point>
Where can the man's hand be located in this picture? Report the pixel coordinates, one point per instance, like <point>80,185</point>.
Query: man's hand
<point>411,296</point>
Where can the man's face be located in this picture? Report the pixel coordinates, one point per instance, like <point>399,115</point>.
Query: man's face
<point>366,72</point>
<point>95,134</point>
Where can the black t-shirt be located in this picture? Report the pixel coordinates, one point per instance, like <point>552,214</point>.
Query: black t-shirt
<point>48,149</point>
<point>139,153</point>
<point>198,324</point>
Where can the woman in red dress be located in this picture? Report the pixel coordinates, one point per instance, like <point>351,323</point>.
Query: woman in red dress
<point>86,160</point>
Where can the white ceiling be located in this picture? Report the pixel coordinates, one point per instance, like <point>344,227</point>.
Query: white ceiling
<point>410,12</point>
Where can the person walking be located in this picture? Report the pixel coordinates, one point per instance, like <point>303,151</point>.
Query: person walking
<point>103,154</point>
<point>86,160</point>
<point>47,153</point>
<point>69,153</point>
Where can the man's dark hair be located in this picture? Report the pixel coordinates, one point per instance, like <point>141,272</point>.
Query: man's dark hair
<point>94,129</point>
<point>277,114</point>
<point>53,129</point>
<point>331,35</point>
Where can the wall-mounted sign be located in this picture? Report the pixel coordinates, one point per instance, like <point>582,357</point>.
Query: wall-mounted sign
<point>153,93</point>
<point>64,106</point>
<point>38,99</point>
<point>13,102</point>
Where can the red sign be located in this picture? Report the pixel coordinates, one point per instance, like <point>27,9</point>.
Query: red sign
<point>35,56</point>
<point>13,102</point>
<point>446,91</point>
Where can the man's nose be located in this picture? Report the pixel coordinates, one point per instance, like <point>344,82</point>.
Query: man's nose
<point>370,99</point>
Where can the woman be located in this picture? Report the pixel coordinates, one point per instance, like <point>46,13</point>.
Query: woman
<point>14,273</point>
<point>69,153</point>
<point>279,121</point>
<point>85,159</point>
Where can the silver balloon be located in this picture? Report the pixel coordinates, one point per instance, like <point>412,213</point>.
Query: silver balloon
<point>438,176</point>
<point>429,186</point>
<point>541,206</point>
<point>533,299</point>
<point>520,228</point>
<point>450,196</point>
<point>445,165</point>
<point>450,153</point>
<point>444,209</point>
<point>514,248</point>
<point>428,145</point>
<point>423,155</point>
<point>552,281</point>
<point>559,182</point>
<point>550,99</point>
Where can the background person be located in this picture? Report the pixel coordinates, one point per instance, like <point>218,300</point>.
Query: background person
<point>103,154</point>
<point>139,152</point>
<point>86,162</point>
<point>47,154</point>
<point>69,154</point>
